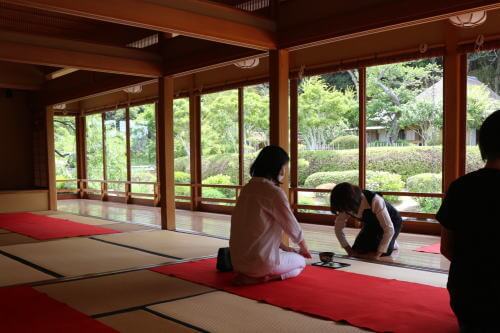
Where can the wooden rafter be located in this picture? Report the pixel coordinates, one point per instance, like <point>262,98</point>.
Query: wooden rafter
<point>193,18</point>
<point>31,49</point>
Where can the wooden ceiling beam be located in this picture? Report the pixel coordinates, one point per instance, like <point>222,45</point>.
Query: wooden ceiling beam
<point>194,18</point>
<point>20,76</point>
<point>48,51</point>
<point>334,21</point>
<point>185,55</point>
<point>60,72</point>
<point>82,85</point>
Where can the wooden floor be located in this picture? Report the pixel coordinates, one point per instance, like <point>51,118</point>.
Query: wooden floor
<point>319,238</point>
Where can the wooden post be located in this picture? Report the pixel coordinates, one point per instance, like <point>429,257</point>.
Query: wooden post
<point>278,98</point>
<point>195,149</point>
<point>51,159</point>
<point>128,186</point>
<point>455,112</point>
<point>166,150</point>
<point>362,127</point>
<point>81,150</point>
<point>241,136</point>
<point>294,135</point>
<point>104,185</point>
<point>157,199</point>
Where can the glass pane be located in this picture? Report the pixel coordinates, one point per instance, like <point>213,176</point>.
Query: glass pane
<point>116,148</point>
<point>328,132</point>
<point>404,128</point>
<point>65,151</point>
<point>94,150</point>
<point>143,147</point>
<point>182,165</point>
<point>219,142</point>
<point>256,123</point>
<point>483,97</point>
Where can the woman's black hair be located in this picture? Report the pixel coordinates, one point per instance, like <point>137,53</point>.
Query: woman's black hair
<point>269,162</point>
<point>489,137</point>
<point>345,198</point>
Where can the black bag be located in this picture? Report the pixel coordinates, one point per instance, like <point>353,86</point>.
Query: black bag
<point>224,260</point>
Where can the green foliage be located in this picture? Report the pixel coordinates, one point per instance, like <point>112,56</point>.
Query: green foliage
<point>405,161</point>
<point>65,148</point>
<point>479,105</point>
<point>473,159</point>
<point>213,193</point>
<point>221,179</point>
<point>346,142</point>
<point>375,180</point>
<point>426,183</point>
<point>182,177</point>
<point>324,112</point>
<point>94,147</point>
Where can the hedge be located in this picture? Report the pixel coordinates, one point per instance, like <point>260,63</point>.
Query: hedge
<point>346,142</point>
<point>375,180</point>
<point>426,183</point>
<point>221,180</point>
<point>405,161</point>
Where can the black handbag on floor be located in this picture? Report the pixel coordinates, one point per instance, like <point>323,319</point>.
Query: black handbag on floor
<point>224,260</point>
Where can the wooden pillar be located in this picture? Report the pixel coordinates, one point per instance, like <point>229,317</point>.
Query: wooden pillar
<point>51,159</point>
<point>278,98</point>
<point>166,151</point>
<point>241,136</point>
<point>455,113</point>
<point>195,149</point>
<point>294,144</point>
<point>362,127</point>
<point>128,186</point>
<point>104,185</point>
<point>81,153</point>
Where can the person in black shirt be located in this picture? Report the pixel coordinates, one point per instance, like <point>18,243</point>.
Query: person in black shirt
<point>470,238</point>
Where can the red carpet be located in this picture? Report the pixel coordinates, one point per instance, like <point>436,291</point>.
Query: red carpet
<point>23,309</point>
<point>43,227</point>
<point>378,304</point>
<point>434,248</point>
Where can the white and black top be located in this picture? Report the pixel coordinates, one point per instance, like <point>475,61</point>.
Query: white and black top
<point>381,225</point>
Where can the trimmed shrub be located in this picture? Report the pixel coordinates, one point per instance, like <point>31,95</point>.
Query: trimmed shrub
<point>473,160</point>
<point>426,183</point>
<point>182,177</point>
<point>405,161</point>
<point>221,180</point>
<point>375,180</point>
<point>213,193</point>
<point>346,142</point>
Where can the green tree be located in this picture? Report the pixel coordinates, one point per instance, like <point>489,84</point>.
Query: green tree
<point>324,112</point>
<point>391,87</point>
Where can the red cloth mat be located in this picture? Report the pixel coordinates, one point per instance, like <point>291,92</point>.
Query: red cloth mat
<point>24,309</point>
<point>44,227</point>
<point>434,248</point>
<point>381,305</point>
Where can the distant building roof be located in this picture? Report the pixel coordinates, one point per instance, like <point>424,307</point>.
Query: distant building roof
<point>434,93</point>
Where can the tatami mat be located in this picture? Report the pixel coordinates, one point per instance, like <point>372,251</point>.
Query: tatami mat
<point>171,243</point>
<point>13,238</point>
<point>14,272</point>
<point>84,219</point>
<point>79,256</point>
<point>143,321</point>
<point>223,312</point>
<point>120,291</point>
<point>393,272</point>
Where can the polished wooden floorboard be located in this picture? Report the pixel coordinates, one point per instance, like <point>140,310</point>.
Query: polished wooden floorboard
<point>319,238</point>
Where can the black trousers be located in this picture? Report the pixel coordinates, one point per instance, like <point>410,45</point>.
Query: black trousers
<point>370,235</point>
